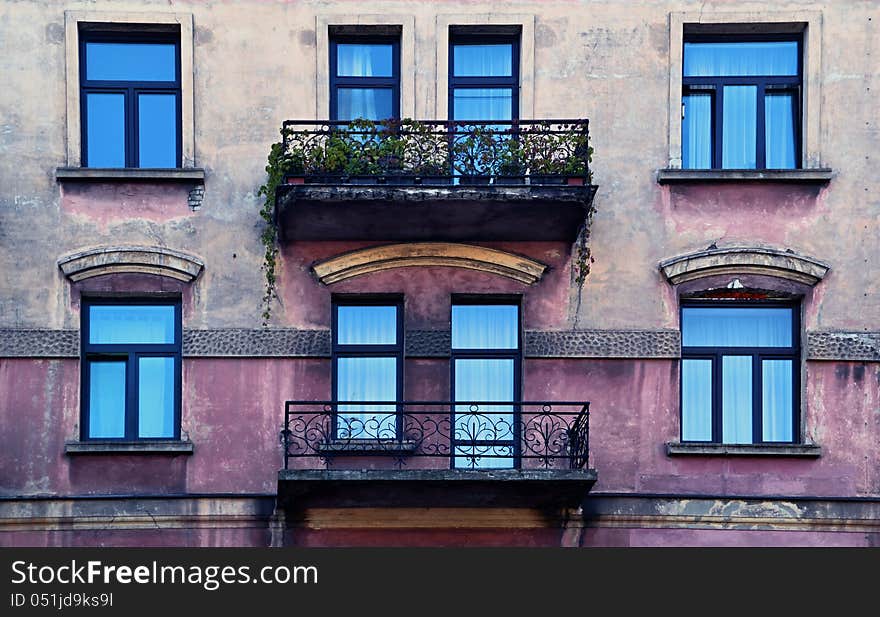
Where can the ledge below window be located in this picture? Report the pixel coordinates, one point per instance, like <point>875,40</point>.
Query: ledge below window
<point>144,446</point>
<point>791,176</point>
<point>115,174</point>
<point>764,449</point>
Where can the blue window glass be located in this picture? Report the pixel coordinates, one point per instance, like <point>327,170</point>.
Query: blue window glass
<point>365,60</point>
<point>138,123</point>
<point>130,62</point>
<point>725,85</point>
<point>106,399</point>
<point>736,327</point>
<point>487,60</point>
<point>366,325</point>
<point>105,129</point>
<point>122,324</point>
<point>485,326</point>
<point>366,103</point>
<point>738,376</point>
<point>131,364</point>
<point>156,377</point>
<point>483,103</point>
<point>157,130</point>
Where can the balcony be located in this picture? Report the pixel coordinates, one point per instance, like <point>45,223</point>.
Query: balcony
<point>419,452</point>
<point>434,180</point>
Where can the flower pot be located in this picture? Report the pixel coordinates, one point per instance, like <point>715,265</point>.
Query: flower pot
<point>474,180</point>
<point>546,179</point>
<point>296,180</point>
<point>575,181</point>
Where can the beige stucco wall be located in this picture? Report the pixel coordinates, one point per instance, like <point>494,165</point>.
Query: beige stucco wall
<point>255,64</point>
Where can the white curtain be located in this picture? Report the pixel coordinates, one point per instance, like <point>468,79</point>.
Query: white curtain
<point>363,60</point>
<point>779,123</point>
<point>366,325</point>
<point>777,397</point>
<point>485,326</point>
<point>696,400</point>
<point>366,379</point>
<point>484,380</point>
<point>739,127</point>
<point>740,59</point>
<point>696,135</point>
<point>492,60</point>
<point>736,327</point>
<point>156,397</point>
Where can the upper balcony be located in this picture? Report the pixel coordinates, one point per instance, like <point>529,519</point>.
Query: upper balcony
<point>434,180</point>
<point>469,452</point>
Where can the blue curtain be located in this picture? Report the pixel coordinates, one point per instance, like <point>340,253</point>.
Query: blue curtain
<point>736,327</point>
<point>366,379</point>
<point>131,324</point>
<point>364,60</point>
<point>493,60</point>
<point>366,325</point>
<point>696,131</point>
<point>736,399</point>
<point>779,136</point>
<point>106,399</point>
<point>777,397</point>
<point>484,380</point>
<point>155,397</point>
<point>740,59</point>
<point>739,127</point>
<point>485,326</point>
<point>696,400</point>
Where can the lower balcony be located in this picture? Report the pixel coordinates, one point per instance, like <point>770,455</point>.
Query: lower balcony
<point>443,453</point>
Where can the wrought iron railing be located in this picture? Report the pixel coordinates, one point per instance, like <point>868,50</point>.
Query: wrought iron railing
<point>469,435</point>
<point>437,152</point>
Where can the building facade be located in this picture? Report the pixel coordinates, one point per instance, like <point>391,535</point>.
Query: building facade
<point>493,322</point>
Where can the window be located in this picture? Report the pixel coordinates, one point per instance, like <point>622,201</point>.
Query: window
<point>483,76</point>
<point>486,360</point>
<point>130,99</point>
<point>739,373</point>
<point>367,368</point>
<point>741,102</point>
<point>131,369</point>
<point>364,77</point>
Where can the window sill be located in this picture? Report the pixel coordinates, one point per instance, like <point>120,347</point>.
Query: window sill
<point>718,449</point>
<point>366,446</point>
<point>791,176</point>
<point>86,174</point>
<point>144,446</point>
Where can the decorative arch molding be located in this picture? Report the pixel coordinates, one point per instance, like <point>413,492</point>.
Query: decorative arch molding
<point>744,260</point>
<point>378,258</point>
<point>156,260</point>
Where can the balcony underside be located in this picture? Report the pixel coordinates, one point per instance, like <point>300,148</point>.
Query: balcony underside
<point>414,213</point>
<point>539,488</point>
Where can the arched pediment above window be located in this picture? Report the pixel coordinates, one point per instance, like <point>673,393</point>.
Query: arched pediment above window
<point>744,260</point>
<point>156,260</point>
<point>378,258</point>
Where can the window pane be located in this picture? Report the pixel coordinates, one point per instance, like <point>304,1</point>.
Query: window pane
<point>736,399</point>
<point>729,59</point>
<point>777,397</point>
<point>370,60</point>
<point>366,325</point>
<point>484,380</point>
<point>736,327</point>
<point>696,131</point>
<point>696,400</point>
<point>105,125</point>
<point>482,104</point>
<point>157,130</point>
<point>366,379</point>
<point>131,324</point>
<point>739,127</point>
<point>155,397</point>
<point>367,103</point>
<point>494,60</point>
<point>779,121</point>
<point>106,399</point>
<point>485,326</point>
<point>130,61</point>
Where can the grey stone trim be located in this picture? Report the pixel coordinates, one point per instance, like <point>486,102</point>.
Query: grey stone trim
<point>194,198</point>
<point>156,260</point>
<point>744,260</point>
<point>429,343</point>
<point>853,346</point>
<point>703,449</point>
<point>603,344</point>
<point>193,174</point>
<point>256,342</point>
<point>696,176</point>
<point>129,447</point>
<point>39,343</point>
